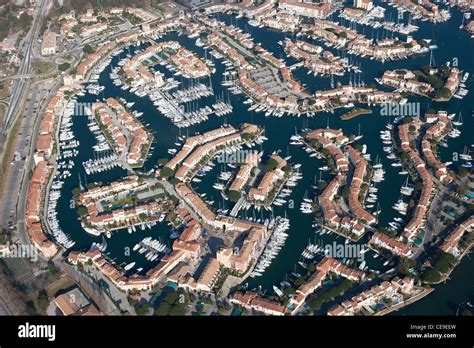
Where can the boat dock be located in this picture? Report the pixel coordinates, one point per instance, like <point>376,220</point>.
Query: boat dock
<point>237,206</point>
<point>296,65</point>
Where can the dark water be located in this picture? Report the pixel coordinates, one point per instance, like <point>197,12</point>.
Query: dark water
<point>451,42</point>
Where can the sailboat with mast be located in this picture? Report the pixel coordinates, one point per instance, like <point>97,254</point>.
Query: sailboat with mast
<point>406,189</point>
<point>459,121</point>
<point>359,136</point>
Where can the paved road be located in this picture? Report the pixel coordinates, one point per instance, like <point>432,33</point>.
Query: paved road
<point>17,167</point>
<point>19,88</point>
<point>116,294</point>
<point>13,183</point>
<point>16,77</point>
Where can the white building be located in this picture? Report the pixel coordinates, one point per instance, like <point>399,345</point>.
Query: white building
<point>48,46</point>
<point>295,7</point>
<point>364,4</point>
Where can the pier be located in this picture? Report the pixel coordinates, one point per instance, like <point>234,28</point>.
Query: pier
<point>237,206</point>
<point>296,65</point>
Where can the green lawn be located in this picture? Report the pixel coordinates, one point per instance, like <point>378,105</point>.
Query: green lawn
<point>44,67</point>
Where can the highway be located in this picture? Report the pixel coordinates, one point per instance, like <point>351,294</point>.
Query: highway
<point>20,86</point>
<point>14,180</point>
<point>20,89</point>
<point>12,183</point>
<point>18,93</point>
<point>20,164</point>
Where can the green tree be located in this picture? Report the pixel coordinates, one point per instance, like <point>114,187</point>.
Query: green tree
<point>43,300</point>
<point>444,263</point>
<point>163,309</point>
<point>405,264</point>
<point>270,165</point>
<point>247,136</point>
<point>431,276</point>
<point>76,191</point>
<point>299,281</point>
<point>64,66</point>
<point>177,310</point>
<point>234,196</point>
<point>82,211</point>
<point>142,309</point>
<point>171,298</point>
<point>162,161</point>
<point>88,49</point>
<point>166,172</point>
<point>443,93</point>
